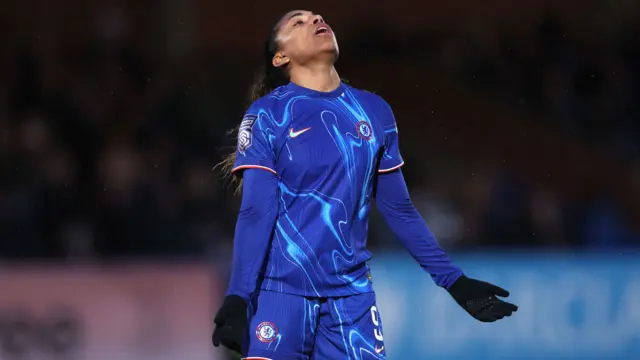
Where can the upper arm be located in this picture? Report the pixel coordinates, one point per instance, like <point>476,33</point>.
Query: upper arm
<point>259,194</point>
<point>255,148</point>
<point>391,157</point>
<point>391,191</point>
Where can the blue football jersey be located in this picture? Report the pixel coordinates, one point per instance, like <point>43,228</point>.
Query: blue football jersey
<point>326,149</point>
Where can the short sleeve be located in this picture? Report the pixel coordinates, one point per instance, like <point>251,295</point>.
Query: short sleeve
<point>255,148</point>
<point>391,158</point>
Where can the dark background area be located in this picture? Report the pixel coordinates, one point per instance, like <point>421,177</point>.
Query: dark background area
<point>519,124</point>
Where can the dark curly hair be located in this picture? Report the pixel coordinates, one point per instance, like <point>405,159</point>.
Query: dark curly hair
<point>267,79</point>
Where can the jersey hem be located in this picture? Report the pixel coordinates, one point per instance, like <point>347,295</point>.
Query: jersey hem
<point>391,168</point>
<point>323,294</point>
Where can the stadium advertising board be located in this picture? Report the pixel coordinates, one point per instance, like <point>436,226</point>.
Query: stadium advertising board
<point>124,313</point>
<point>571,307</point>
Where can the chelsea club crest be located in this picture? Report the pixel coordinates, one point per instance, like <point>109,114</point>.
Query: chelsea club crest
<point>266,331</point>
<point>363,129</point>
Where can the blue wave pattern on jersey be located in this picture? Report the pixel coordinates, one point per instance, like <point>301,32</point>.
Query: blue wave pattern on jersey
<point>326,186</point>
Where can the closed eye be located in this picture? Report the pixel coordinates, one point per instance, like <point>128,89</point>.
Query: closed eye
<point>298,22</point>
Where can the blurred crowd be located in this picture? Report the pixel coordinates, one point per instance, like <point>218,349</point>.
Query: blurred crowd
<point>585,89</point>
<point>588,88</point>
<point>109,150</point>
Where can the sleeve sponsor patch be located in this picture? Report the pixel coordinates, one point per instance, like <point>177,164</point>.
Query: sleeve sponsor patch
<point>245,133</point>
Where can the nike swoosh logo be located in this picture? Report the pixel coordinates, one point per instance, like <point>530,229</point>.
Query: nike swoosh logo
<point>378,350</point>
<point>294,134</point>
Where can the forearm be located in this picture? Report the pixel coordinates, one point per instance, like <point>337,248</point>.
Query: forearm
<point>254,228</point>
<point>394,203</point>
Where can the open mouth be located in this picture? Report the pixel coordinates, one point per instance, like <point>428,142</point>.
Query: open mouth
<point>322,30</point>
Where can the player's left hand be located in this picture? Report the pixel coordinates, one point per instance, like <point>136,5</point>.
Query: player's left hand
<point>480,299</point>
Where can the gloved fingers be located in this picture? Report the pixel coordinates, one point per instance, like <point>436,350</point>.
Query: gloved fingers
<point>496,290</point>
<point>488,316</point>
<point>501,309</point>
<point>230,342</point>
<point>221,316</point>
<point>489,309</point>
<point>507,306</point>
<point>229,337</point>
<point>215,338</point>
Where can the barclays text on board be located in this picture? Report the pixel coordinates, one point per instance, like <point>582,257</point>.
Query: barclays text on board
<point>571,307</point>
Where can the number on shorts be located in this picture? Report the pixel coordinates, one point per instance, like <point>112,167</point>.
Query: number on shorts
<point>377,331</point>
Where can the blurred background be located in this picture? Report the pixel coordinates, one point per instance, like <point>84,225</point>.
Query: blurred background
<point>519,125</point>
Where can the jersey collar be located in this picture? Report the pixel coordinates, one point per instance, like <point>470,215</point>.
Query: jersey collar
<point>309,92</point>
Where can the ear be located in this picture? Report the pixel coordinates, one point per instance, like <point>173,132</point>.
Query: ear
<point>280,59</point>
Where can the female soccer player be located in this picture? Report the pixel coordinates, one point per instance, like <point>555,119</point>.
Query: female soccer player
<point>313,152</point>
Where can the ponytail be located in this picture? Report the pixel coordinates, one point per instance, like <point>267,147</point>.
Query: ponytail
<point>267,79</point>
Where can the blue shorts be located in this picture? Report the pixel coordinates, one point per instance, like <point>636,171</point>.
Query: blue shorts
<point>291,327</point>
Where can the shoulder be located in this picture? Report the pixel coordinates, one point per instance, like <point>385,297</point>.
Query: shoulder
<point>371,97</point>
<point>266,106</point>
<point>272,100</point>
<point>262,104</point>
<point>376,102</point>
<point>263,114</point>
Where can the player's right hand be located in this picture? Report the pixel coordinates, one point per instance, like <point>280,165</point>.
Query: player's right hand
<point>231,324</point>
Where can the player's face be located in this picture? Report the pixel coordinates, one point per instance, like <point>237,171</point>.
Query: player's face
<point>302,37</point>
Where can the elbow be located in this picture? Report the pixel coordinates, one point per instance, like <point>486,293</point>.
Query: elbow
<point>252,214</point>
<point>258,210</point>
<point>398,210</point>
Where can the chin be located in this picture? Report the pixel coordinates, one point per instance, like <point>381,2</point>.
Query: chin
<point>330,48</point>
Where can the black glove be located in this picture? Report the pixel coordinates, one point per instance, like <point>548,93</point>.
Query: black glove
<point>478,298</point>
<point>231,324</point>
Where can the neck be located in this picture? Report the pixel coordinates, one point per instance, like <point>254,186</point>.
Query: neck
<point>320,77</point>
